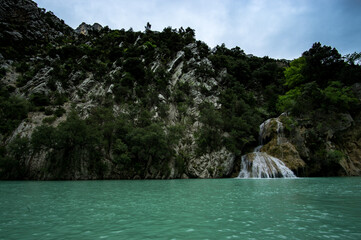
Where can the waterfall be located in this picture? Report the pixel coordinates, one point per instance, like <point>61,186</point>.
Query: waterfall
<point>261,165</point>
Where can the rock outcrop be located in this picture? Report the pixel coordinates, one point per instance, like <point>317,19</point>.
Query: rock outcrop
<point>297,151</point>
<point>277,145</point>
<point>84,28</point>
<point>349,143</point>
<point>213,165</point>
<point>22,20</point>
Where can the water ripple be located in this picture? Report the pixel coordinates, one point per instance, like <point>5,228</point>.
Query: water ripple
<point>182,209</point>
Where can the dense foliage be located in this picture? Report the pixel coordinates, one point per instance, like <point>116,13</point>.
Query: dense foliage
<point>145,117</point>
<point>320,95</point>
<point>320,80</point>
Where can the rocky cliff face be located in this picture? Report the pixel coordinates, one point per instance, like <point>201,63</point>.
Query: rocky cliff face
<point>23,21</point>
<point>84,89</point>
<point>279,146</point>
<point>84,95</point>
<point>96,103</point>
<point>339,133</point>
<point>349,142</point>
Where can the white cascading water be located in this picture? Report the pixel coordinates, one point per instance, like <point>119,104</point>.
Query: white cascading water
<point>261,165</point>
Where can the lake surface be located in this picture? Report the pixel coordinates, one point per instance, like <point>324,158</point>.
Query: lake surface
<point>317,208</point>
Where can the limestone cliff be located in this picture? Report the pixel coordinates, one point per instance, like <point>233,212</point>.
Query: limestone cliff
<point>22,21</point>
<point>349,142</point>
<point>296,147</point>
<point>279,146</point>
<point>55,91</point>
<point>97,103</point>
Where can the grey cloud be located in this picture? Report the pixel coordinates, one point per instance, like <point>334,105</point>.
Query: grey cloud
<point>277,28</point>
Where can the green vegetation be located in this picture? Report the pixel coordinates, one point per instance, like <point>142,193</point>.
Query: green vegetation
<point>76,141</point>
<point>134,111</point>
<point>319,90</point>
<point>319,81</point>
<point>68,144</point>
<point>13,110</point>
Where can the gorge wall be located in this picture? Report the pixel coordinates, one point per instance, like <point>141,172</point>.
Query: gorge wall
<point>96,103</point>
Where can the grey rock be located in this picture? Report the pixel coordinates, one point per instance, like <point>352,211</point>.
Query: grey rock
<point>211,165</point>
<point>97,27</point>
<point>193,48</point>
<point>110,89</point>
<point>356,88</point>
<point>86,84</point>
<point>175,60</point>
<point>137,40</point>
<point>16,36</point>
<point>84,28</point>
<point>39,25</point>
<point>161,98</point>
<point>184,176</point>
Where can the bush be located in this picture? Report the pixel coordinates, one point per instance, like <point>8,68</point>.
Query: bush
<point>208,140</point>
<point>340,96</point>
<point>48,111</point>
<point>59,112</point>
<point>71,142</point>
<point>24,78</point>
<point>12,159</point>
<point>14,110</point>
<point>2,72</point>
<point>60,99</point>
<point>335,156</point>
<point>135,67</point>
<point>22,67</point>
<point>39,99</point>
<point>121,153</point>
<point>49,120</point>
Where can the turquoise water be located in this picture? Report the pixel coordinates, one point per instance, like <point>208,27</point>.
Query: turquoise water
<point>318,208</point>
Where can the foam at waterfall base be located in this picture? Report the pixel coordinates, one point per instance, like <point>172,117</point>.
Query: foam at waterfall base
<point>262,165</point>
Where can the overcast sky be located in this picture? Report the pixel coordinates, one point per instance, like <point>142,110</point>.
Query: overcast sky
<point>274,28</point>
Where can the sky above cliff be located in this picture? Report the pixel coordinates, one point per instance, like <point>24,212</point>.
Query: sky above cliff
<point>277,28</point>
